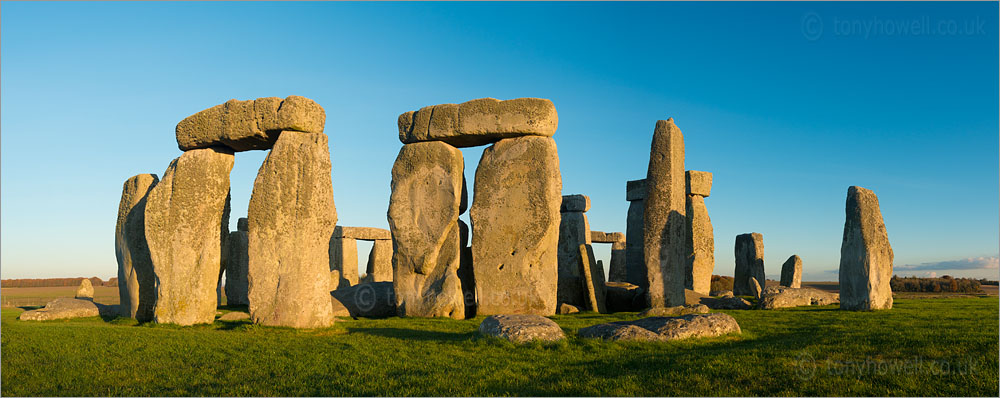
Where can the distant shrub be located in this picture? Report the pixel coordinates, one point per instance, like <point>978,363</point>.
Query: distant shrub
<point>720,283</point>
<point>934,285</point>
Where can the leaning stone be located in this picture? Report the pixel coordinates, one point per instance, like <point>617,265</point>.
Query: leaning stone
<point>749,262</point>
<point>791,272</point>
<point>664,218</point>
<point>234,316</point>
<point>699,183</point>
<point>635,190</point>
<point>184,214</point>
<point>248,125</point>
<point>366,300</point>
<point>785,297</point>
<point>136,282</point>
<point>292,215</point>
<point>86,290</point>
<point>664,328</point>
<point>65,308</point>
<point>865,255</point>
<point>579,203</point>
<point>515,222</point>
<point>573,232</point>
<point>755,288</point>
<point>423,218</point>
<point>594,280</point>
<point>237,268</point>
<point>635,263</point>
<point>521,328</point>
<point>362,233</point>
<point>344,259</point>
<point>565,309</point>
<point>379,267</point>
<point>676,311</point>
<point>700,246</point>
<point>479,122</point>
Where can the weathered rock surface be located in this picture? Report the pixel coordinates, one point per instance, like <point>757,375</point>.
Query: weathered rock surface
<point>699,183</point>
<point>423,218</point>
<point>379,267</point>
<point>344,259</point>
<point>749,262</point>
<point>579,203</point>
<point>664,218</point>
<point>865,255</point>
<point>755,288</point>
<point>635,190</point>
<point>65,308</point>
<point>676,311</point>
<point>565,309</point>
<point>479,122</point>
<point>593,276</point>
<point>234,316</point>
<point>136,282</point>
<point>785,297</point>
<point>362,233</point>
<point>515,222</point>
<point>700,246</point>
<point>664,328</point>
<point>635,263</point>
<point>521,328</point>
<point>237,268</point>
<point>85,291</point>
<point>791,272</point>
<point>367,300</point>
<point>623,296</point>
<point>574,230</point>
<point>183,218</point>
<point>247,125</point>
<point>292,216</point>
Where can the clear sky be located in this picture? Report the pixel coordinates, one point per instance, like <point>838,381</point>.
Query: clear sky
<point>787,104</point>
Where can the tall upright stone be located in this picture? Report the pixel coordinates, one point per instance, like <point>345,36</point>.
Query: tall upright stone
<point>423,217</point>
<point>379,267</point>
<point>224,245</point>
<point>635,261</point>
<point>184,213</point>
<point>700,247</point>
<point>136,282</point>
<point>574,230</point>
<point>465,272</point>
<point>865,255</point>
<point>344,259</point>
<point>515,227</point>
<point>749,263</point>
<point>791,272</point>
<point>664,217</point>
<point>237,267</point>
<point>291,220</point>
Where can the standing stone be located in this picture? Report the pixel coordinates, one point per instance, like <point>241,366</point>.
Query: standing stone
<point>86,290</point>
<point>664,217</point>
<point>593,279</point>
<point>791,272</point>
<point>515,227</point>
<point>865,255</point>
<point>291,219</point>
<point>423,218</point>
<point>184,212</point>
<point>237,285</point>
<point>635,263</point>
<point>379,266</point>
<point>700,246</point>
<point>242,224</point>
<point>574,230</point>
<point>749,262</point>
<point>136,282</point>
<point>344,259</point>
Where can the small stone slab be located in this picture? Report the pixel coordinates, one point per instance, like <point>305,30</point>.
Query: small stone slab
<point>63,308</point>
<point>577,202</point>
<point>235,316</point>
<point>607,237</point>
<point>635,190</point>
<point>786,297</point>
<point>479,122</point>
<point>699,183</point>
<point>664,328</point>
<point>249,125</point>
<point>521,328</point>
<point>567,309</point>
<point>362,233</point>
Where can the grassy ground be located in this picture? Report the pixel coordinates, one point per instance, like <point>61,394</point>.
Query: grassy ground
<point>921,347</point>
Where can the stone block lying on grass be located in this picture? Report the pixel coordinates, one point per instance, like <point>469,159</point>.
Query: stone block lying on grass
<point>676,311</point>
<point>784,297</point>
<point>664,328</point>
<point>65,308</point>
<point>368,300</point>
<point>521,328</point>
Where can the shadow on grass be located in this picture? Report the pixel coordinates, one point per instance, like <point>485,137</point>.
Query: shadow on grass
<point>414,334</point>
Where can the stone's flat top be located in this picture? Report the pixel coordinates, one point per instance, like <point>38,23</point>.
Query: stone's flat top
<point>577,202</point>
<point>785,297</point>
<point>664,328</point>
<point>699,183</point>
<point>235,316</point>
<point>686,309</point>
<point>363,233</point>
<point>249,125</point>
<point>64,308</point>
<point>635,190</point>
<point>606,237</point>
<point>521,328</point>
<point>479,122</point>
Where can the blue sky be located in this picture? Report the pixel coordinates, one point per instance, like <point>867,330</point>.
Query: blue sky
<point>787,104</point>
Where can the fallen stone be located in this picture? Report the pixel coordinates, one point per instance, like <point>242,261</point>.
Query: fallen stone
<point>692,297</point>
<point>367,300</point>
<point>136,282</point>
<point>785,297</point>
<point>664,328</point>
<point>699,246</point>
<point>344,260</point>
<point>521,328</point>
<point>423,218</point>
<point>291,220</point>
<point>573,232</point>
<point>579,203</point>
<point>184,215</point>
<point>479,122</point>
<point>234,316</point>
<point>623,297</point>
<point>248,125</point>
<point>721,293</point>
<point>699,183</point>
<point>749,262</point>
<point>635,190</point>
<point>791,272</point>
<point>664,218</point>
<point>676,311</point>
<point>515,222</point>
<point>65,308</point>
<point>565,309</point>
<point>593,279</point>
<point>362,233</point>
<point>237,268</point>
<point>865,255</point>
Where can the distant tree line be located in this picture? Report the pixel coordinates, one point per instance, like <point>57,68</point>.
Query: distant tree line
<point>934,285</point>
<point>985,281</point>
<point>55,282</point>
<point>720,283</point>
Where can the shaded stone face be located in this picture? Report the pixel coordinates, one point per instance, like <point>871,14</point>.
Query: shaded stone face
<point>865,255</point>
<point>479,122</point>
<point>700,248</point>
<point>136,282</point>
<point>578,203</point>
<point>749,262</point>
<point>635,263</point>
<point>249,125</point>
<point>515,223</point>
<point>574,231</point>
<point>664,217</point>
<point>593,279</point>
<point>423,218</point>
<point>237,267</point>
<point>344,260</point>
<point>791,272</point>
<point>291,219</point>
<point>184,214</point>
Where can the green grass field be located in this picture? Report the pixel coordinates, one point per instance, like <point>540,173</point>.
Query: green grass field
<point>921,347</point>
